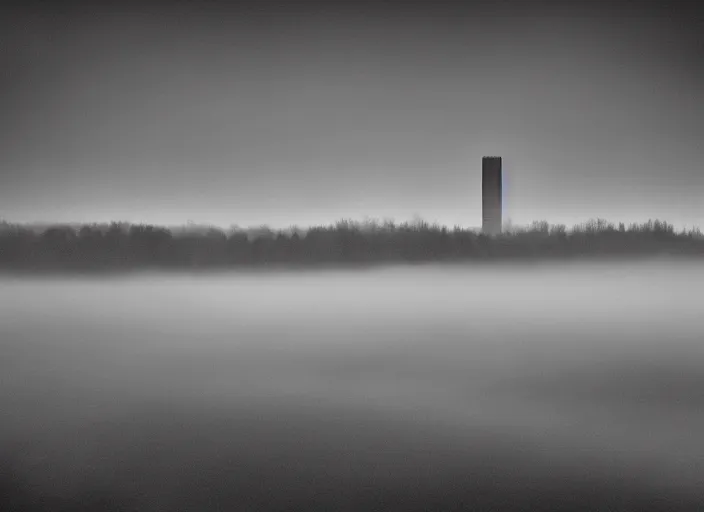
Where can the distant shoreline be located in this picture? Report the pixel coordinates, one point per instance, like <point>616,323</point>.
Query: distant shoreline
<point>119,249</point>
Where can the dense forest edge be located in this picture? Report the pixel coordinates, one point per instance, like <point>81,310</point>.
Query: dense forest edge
<point>124,246</point>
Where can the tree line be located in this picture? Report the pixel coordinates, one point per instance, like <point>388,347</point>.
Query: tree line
<point>130,246</point>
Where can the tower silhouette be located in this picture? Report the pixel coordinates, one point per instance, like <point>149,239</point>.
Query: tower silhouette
<point>491,195</point>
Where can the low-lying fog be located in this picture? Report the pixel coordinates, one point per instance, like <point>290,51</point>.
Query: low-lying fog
<point>572,386</point>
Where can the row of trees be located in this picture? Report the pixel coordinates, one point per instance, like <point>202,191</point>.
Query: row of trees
<point>124,246</point>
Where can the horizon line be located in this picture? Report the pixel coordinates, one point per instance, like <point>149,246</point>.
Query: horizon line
<point>507,225</point>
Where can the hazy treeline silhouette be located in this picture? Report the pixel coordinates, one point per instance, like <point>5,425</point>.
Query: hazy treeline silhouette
<point>124,246</point>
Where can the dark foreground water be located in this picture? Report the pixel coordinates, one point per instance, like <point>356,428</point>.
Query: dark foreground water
<point>571,387</point>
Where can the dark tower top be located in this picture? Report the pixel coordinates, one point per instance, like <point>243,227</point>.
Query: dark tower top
<point>491,195</point>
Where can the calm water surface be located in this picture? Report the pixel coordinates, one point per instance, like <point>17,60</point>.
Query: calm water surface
<point>569,387</point>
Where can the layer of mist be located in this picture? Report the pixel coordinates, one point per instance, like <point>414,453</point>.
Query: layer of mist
<point>526,387</point>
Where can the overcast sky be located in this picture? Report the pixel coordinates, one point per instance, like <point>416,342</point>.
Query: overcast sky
<point>298,113</point>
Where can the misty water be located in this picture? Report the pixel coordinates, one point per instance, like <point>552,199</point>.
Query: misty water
<point>573,385</point>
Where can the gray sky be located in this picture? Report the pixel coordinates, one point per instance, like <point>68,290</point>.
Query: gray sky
<point>292,113</point>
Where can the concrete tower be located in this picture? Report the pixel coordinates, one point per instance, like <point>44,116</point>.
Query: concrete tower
<point>491,195</point>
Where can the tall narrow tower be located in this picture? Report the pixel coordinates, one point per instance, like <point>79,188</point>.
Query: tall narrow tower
<point>491,195</point>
